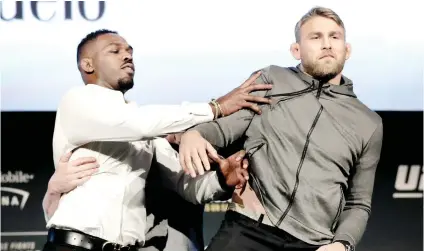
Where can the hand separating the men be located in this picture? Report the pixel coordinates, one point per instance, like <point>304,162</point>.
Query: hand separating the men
<point>234,169</point>
<point>194,149</point>
<point>240,97</point>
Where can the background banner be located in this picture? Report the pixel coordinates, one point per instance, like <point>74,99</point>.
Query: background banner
<point>190,50</point>
<point>397,212</point>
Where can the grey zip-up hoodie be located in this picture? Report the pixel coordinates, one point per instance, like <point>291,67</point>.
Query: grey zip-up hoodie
<point>313,154</point>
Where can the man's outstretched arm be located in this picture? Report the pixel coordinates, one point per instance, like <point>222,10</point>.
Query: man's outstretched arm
<point>200,140</point>
<point>86,116</point>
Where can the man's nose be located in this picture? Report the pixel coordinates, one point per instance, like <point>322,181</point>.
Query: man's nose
<point>128,57</point>
<point>326,43</point>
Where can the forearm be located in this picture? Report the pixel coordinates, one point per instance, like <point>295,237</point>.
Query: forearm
<point>198,190</point>
<point>85,116</point>
<point>50,204</point>
<point>225,131</point>
<point>352,225</point>
<point>132,124</point>
<point>212,133</point>
<point>354,218</point>
<point>202,189</point>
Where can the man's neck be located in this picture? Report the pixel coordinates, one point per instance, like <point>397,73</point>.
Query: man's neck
<point>104,84</point>
<point>336,80</point>
<point>109,86</point>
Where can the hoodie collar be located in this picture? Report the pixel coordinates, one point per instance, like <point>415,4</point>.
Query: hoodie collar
<point>345,87</point>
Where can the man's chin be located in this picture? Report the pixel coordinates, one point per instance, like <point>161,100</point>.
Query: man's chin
<point>126,84</point>
<point>324,74</point>
<point>327,71</point>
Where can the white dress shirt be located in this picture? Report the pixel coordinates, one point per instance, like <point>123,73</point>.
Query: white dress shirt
<point>98,122</point>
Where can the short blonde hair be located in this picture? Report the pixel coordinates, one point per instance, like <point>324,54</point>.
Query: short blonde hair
<point>317,12</point>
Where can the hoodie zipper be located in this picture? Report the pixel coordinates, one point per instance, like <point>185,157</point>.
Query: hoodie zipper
<point>339,210</point>
<point>305,150</point>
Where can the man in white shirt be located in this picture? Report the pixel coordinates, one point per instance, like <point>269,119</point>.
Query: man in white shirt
<point>176,228</point>
<point>107,212</point>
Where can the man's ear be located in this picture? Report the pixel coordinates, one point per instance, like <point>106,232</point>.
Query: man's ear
<point>295,50</point>
<point>348,51</point>
<point>86,64</point>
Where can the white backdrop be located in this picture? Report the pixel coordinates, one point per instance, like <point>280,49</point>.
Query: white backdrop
<point>194,50</point>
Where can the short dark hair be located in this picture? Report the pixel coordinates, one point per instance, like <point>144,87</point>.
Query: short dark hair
<point>90,37</point>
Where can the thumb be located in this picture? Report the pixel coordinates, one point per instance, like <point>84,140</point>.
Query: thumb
<point>215,158</point>
<point>245,163</point>
<point>240,155</point>
<point>65,158</point>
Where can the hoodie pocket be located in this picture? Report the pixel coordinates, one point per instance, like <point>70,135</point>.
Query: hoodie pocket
<point>254,146</point>
<point>339,210</point>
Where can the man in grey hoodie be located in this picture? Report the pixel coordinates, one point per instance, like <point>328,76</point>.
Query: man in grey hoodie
<point>313,151</point>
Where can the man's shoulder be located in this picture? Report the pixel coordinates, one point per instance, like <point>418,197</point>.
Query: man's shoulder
<point>367,113</point>
<point>70,97</point>
<point>276,69</point>
<point>75,91</point>
<point>371,117</point>
<point>91,93</point>
<point>363,120</point>
<point>275,72</point>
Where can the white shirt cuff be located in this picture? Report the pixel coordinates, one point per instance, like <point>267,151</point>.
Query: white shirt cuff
<point>200,109</point>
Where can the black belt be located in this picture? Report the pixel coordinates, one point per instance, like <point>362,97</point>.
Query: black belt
<point>79,239</point>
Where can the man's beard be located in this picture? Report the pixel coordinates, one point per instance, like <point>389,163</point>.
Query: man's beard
<point>125,84</point>
<point>323,72</point>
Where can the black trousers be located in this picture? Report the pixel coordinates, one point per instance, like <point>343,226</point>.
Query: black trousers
<point>238,232</point>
